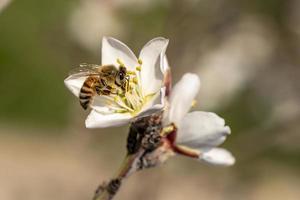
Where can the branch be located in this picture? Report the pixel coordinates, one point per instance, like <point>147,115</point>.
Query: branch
<point>144,147</point>
<point>107,191</point>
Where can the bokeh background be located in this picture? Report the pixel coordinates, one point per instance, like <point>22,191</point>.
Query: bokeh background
<point>247,54</point>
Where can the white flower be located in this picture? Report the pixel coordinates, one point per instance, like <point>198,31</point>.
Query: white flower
<point>198,133</point>
<point>146,94</point>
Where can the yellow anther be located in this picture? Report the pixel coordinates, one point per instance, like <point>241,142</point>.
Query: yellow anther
<point>167,130</point>
<point>120,62</point>
<point>116,99</point>
<point>134,80</point>
<point>138,68</point>
<point>119,92</point>
<point>131,73</point>
<point>194,102</point>
<point>140,61</point>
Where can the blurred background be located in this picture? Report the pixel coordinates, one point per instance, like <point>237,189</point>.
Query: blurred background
<point>247,54</point>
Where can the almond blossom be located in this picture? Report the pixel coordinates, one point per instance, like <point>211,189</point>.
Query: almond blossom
<point>196,134</point>
<point>146,94</point>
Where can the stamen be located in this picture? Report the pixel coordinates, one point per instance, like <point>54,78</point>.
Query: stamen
<point>135,81</point>
<point>138,68</point>
<point>120,111</point>
<point>120,62</point>
<point>140,61</point>
<point>168,129</point>
<point>131,73</point>
<point>132,99</point>
<point>122,104</point>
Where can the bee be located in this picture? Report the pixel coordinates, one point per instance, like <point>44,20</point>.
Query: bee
<point>101,80</point>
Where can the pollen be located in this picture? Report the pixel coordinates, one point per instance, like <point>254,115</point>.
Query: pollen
<point>140,61</point>
<point>131,73</point>
<point>168,129</point>
<point>116,98</point>
<point>133,99</point>
<point>120,62</point>
<point>138,68</point>
<point>135,80</point>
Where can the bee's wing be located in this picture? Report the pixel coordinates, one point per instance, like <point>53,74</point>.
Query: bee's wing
<point>108,70</point>
<point>85,70</point>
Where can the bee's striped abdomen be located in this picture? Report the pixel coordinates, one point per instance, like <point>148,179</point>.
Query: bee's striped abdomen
<point>87,91</point>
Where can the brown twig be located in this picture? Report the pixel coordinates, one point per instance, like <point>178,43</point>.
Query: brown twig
<point>144,147</point>
<point>107,191</point>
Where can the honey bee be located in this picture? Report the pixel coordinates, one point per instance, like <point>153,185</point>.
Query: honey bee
<point>101,80</point>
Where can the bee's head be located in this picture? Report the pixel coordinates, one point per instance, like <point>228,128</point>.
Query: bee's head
<point>122,76</point>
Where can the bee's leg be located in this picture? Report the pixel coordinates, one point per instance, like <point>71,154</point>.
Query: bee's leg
<point>98,89</point>
<point>105,91</point>
<point>111,89</point>
<point>114,91</point>
<point>125,86</point>
<point>102,90</point>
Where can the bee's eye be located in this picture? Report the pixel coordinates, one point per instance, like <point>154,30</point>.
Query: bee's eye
<point>121,75</point>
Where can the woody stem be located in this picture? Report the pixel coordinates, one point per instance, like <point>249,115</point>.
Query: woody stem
<point>108,191</point>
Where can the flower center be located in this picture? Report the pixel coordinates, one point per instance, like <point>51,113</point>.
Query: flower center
<point>132,99</point>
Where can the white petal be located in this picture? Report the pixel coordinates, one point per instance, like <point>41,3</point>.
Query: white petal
<point>182,96</point>
<point>153,58</point>
<point>156,104</point>
<point>102,104</point>
<point>218,156</point>
<point>113,49</point>
<point>74,83</point>
<point>98,120</point>
<point>165,66</point>
<point>202,130</point>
